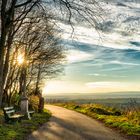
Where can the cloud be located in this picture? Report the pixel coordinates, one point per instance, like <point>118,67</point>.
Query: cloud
<point>117,62</point>
<point>105,84</point>
<point>78,56</point>
<point>94,74</point>
<point>106,75</point>
<point>135,43</point>
<point>121,4</point>
<point>107,26</point>
<point>115,69</point>
<point>119,20</point>
<point>111,54</point>
<point>124,63</point>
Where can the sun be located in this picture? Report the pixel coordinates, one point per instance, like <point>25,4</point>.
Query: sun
<point>20,59</point>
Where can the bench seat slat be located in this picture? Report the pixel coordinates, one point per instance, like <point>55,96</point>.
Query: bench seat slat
<point>8,108</point>
<point>9,112</point>
<point>16,116</point>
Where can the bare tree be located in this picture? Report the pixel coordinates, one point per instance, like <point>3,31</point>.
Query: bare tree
<point>42,55</point>
<point>16,15</point>
<point>10,23</point>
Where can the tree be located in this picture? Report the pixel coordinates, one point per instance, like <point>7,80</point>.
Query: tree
<point>11,21</point>
<point>36,53</point>
<point>16,15</point>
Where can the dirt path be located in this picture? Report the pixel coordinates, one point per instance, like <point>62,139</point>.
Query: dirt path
<point>70,125</point>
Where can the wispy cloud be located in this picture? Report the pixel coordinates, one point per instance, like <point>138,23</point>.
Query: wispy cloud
<point>108,84</point>
<point>106,75</point>
<point>115,69</point>
<point>78,56</point>
<point>109,56</point>
<point>124,63</point>
<point>104,84</point>
<point>120,26</point>
<point>94,74</point>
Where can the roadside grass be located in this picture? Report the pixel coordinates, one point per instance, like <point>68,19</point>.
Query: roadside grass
<point>128,123</point>
<point>19,130</point>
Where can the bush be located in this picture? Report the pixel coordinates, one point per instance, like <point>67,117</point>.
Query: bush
<point>34,102</point>
<point>77,107</point>
<point>117,113</point>
<point>100,111</point>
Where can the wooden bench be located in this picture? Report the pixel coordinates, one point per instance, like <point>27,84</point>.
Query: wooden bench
<point>10,115</point>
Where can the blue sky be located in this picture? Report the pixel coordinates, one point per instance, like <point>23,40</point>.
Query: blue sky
<point>106,59</point>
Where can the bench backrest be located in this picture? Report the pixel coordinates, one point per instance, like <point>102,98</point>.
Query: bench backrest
<point>8,111</point>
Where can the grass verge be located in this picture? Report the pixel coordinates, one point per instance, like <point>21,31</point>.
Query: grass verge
<point>128,123</point>
<point>19,130</point>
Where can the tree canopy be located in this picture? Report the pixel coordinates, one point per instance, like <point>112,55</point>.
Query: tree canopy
<point>30,47</point>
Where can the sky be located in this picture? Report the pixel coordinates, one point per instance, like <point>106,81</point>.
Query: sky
<point>103,60</point>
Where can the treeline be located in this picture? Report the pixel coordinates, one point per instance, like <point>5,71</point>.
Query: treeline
<point>30,49</point>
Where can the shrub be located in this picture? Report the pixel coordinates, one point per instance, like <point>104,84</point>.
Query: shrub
<point>34,102</point>
<point>100,111</point>
<point>117,113</point>
<point>77,107</point>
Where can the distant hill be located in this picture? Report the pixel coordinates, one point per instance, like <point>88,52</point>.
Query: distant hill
<point>131,94</point>
<point>119,99</point>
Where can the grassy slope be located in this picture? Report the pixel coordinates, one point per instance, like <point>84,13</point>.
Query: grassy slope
<point>127,123</point>
<point>18,131</point>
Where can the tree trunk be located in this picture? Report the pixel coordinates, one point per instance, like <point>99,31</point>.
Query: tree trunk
<point>38,79</point>
<point>23,81</point>
<point>7,16</point>
<point>2,46</point>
